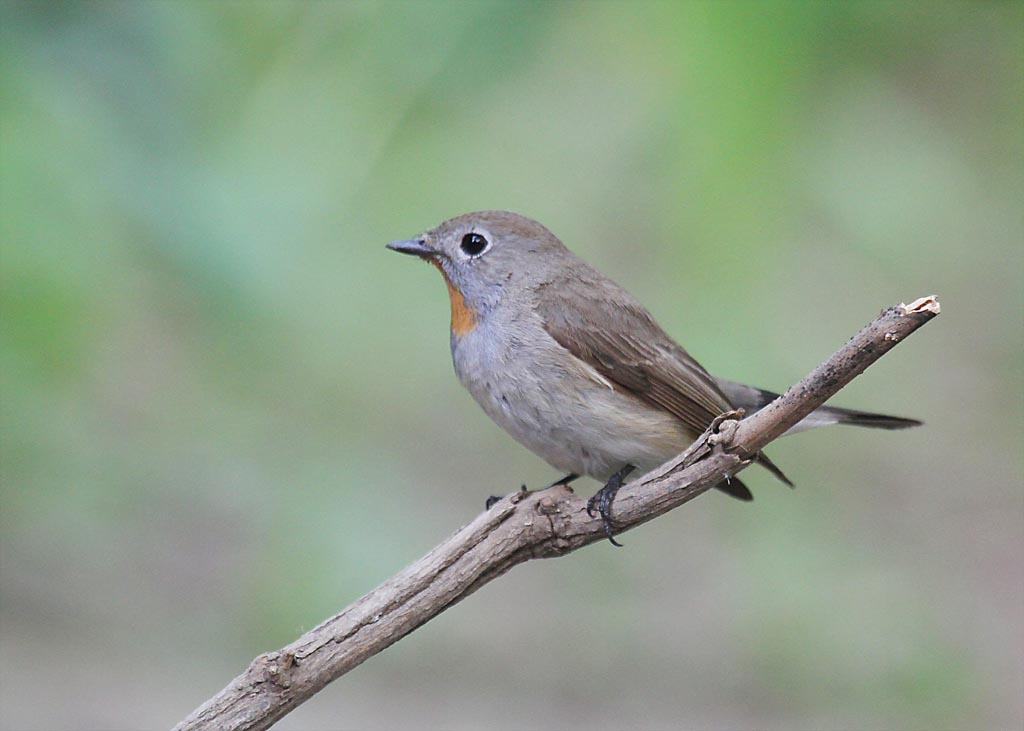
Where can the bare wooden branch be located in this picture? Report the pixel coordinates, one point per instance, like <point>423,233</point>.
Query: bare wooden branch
<point>528,525</point>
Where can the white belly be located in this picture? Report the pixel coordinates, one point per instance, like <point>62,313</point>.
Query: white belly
<point>561,409</point>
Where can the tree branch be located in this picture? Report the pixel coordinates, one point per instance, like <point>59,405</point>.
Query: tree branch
<point>528,525</point>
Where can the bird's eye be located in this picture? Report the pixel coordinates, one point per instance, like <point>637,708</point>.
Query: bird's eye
<point>473,244</point>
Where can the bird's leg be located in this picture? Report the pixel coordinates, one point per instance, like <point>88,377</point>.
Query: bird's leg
<point>561,481</point>
<point>603,500</point>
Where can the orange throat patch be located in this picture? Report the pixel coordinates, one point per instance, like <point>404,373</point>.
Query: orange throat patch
<point>463,316</point>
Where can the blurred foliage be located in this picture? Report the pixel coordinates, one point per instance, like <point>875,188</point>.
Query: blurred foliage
<point>227,411</point>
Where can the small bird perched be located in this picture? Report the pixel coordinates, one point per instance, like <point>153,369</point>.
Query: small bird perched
<point>572,365</point>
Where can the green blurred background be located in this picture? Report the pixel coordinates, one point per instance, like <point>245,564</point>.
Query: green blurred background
<point>228,411</point>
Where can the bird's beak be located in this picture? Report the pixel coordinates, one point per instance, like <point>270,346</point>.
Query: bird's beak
<point>416,247</point>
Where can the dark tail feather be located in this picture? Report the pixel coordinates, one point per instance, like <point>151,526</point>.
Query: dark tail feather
<point>752,399</point>
<point>875,421</point>
<point>734,488</point>
<point>762,459</point>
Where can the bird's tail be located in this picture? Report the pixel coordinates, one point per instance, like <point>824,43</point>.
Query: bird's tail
<point>866,418</point>
<point>752,399</point>
<point>826,415</point>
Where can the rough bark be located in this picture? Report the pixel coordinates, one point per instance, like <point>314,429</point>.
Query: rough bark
<point>528,525</point>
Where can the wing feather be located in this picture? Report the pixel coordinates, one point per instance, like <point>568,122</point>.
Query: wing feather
<point>621,341</point>
<point>603,326</point>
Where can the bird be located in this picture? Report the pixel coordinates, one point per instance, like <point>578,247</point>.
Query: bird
<point>573,366</point>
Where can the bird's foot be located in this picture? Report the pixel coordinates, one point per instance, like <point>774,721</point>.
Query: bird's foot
<point>489,503</point>
<point>564,481</point>
<point>603,498</point>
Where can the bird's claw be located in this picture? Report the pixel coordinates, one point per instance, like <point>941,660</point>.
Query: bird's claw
<point>603,499</point>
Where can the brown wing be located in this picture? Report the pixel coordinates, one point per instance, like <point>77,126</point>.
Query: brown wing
<point>611,332</point>
<point>602,325</point>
